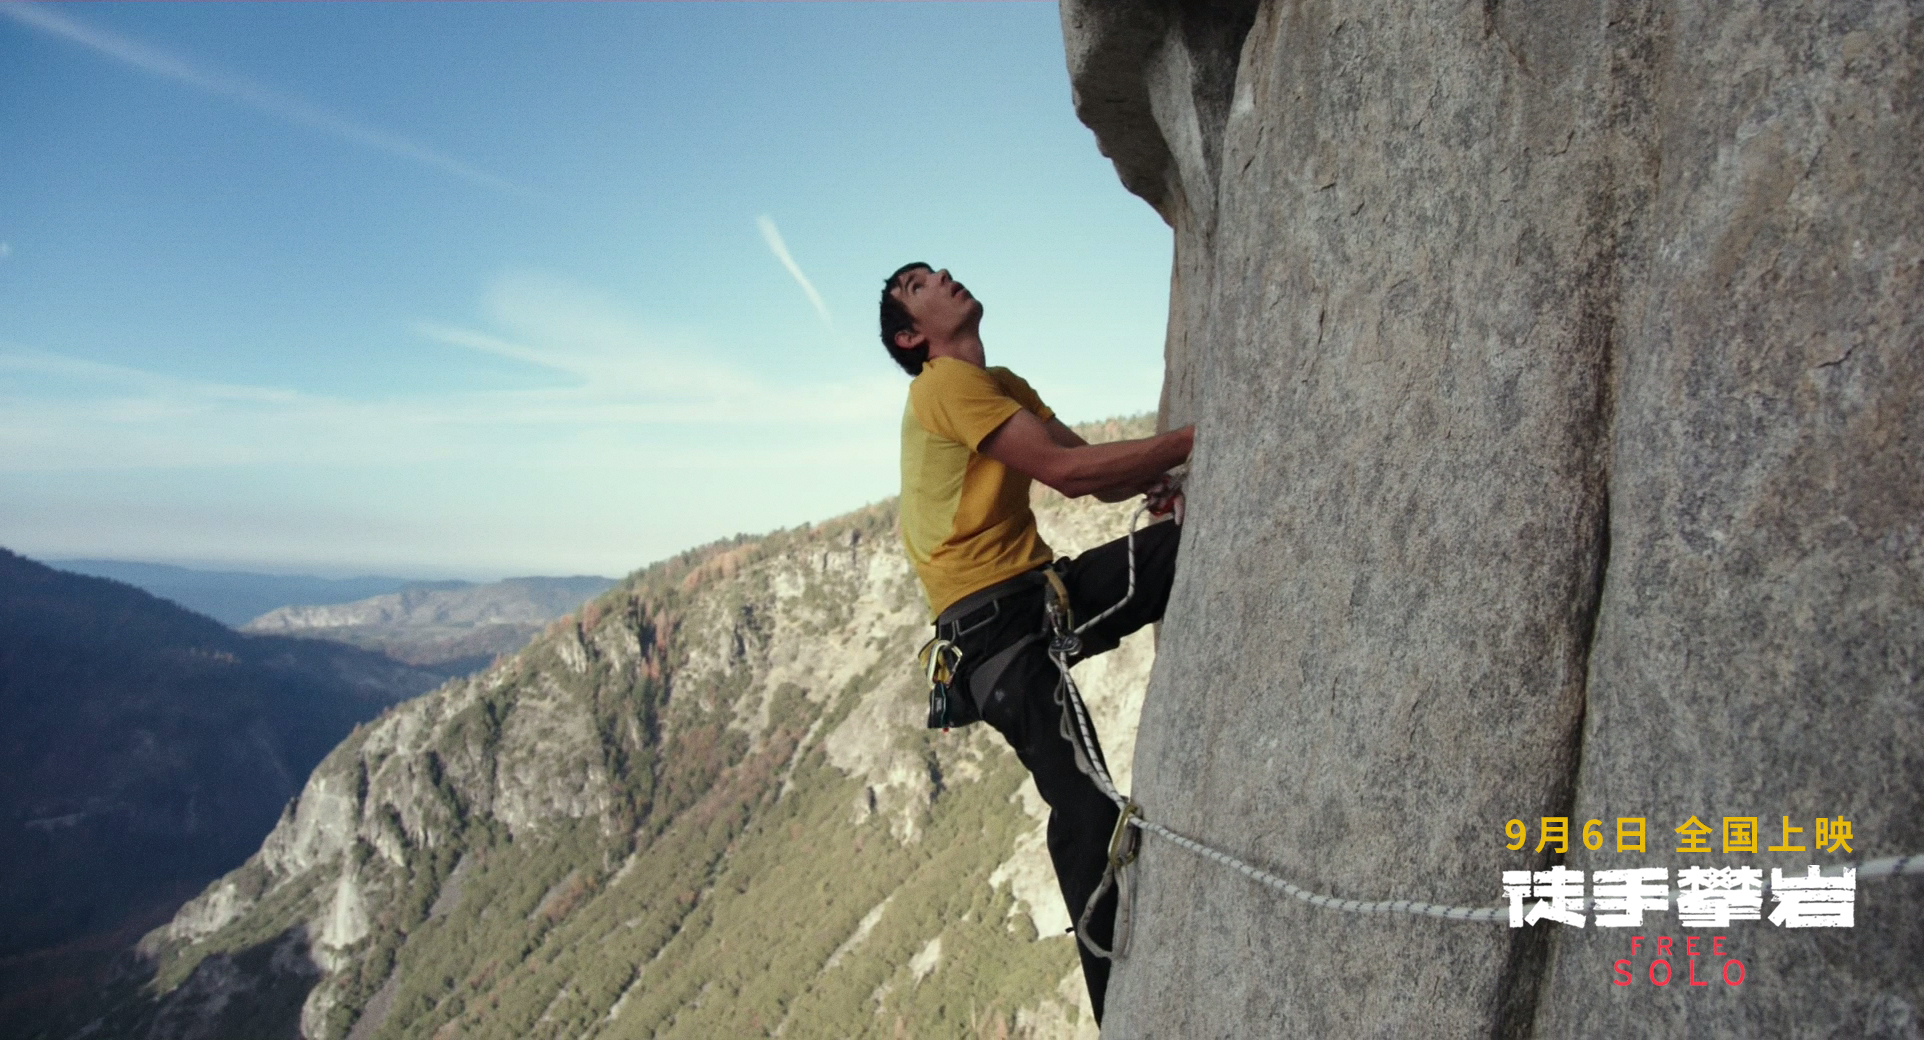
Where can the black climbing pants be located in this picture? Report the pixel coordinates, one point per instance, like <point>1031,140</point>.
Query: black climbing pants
<point>1023,706</point>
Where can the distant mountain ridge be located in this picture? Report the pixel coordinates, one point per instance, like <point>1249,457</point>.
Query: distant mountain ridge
<point>534,601</point>
<point>232,597</point>
<point>146,748</point>
<point>455,627</point>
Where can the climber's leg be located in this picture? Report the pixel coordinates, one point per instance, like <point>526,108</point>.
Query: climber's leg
<point>1080,857</point>
<point>1100,577</point>
<point>1023,708</point>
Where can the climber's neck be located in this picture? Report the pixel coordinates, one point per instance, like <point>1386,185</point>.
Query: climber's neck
<point>964,345</point>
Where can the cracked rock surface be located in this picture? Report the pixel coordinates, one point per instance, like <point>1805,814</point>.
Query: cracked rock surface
<point>1557,374</point>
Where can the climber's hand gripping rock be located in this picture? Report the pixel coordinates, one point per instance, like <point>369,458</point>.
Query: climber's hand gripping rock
<point>1165,497</point>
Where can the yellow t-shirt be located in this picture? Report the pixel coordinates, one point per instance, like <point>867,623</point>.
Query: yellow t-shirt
<point>966,520</point>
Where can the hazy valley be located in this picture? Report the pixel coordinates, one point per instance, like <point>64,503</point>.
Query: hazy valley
<point>147,749</point>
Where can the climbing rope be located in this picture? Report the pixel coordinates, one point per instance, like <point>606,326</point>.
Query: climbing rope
<point>1066,642</point>
<point>1890,866</point>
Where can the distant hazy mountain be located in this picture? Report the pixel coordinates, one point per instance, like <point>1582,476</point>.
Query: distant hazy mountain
<point>232,597</point>
<point>453,627</point>
<point>144,750</point>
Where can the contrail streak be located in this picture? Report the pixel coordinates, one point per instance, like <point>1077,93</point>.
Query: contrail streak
<point>294,110</point>
<point>775,245</point>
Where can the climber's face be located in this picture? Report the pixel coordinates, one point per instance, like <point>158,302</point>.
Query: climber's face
<point>940,306</point>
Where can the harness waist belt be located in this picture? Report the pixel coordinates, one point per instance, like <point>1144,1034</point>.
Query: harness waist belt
<point>980,598</point>
<point>983,675</point>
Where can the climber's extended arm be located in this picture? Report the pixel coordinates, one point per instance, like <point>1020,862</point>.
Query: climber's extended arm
<point>1068,438</point>
<point>1063,435</point>
<point>1028,445</point>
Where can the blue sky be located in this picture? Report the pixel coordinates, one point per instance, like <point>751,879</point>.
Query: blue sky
<point>492,289</point>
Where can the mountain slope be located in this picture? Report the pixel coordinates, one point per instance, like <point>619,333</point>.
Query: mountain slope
<point>703,807</point>
<point>146,748</point>
<point>455,627</point>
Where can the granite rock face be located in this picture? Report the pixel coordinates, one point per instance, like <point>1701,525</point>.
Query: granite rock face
<point>1558,381</point>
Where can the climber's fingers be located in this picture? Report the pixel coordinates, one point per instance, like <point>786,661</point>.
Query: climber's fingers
<point>1165,501</point>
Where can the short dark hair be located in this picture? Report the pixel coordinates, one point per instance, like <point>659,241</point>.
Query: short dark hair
<point>895,318</point>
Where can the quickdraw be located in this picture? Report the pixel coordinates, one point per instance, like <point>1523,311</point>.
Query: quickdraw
<point>941,662</point>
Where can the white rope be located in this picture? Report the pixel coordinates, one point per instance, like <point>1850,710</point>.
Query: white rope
<point>1172,486</point>
<point>1085,752</point>
<point>1097,770</point>
<point>1129,593</point>
<point>1355,906</point>
<point>1890,866</point>
<point>1059,651</point>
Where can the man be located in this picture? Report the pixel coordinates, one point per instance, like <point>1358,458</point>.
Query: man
<point>973,438</point>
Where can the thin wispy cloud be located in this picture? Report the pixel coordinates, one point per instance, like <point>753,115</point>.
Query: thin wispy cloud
<point>622,359</point>
<point>6,250</point>
<point>482,342</point>
<point>152,385</point>
<point>625,382</point>
<point>63,414</point>
<point>773,236</point>
<point>254,95</point>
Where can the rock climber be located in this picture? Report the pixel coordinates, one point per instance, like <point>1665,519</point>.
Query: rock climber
<point>973,438</point>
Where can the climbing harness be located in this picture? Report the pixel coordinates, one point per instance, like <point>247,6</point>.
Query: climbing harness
<point>941,656</point>
<point>1065,642</point>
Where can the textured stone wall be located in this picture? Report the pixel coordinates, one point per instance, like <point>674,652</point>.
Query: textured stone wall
<point>1557,373</point>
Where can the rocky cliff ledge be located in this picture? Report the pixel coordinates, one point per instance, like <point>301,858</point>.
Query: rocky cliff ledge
<point>1558,376</point>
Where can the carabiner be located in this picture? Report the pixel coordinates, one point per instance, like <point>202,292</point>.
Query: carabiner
<point>1122,844</point>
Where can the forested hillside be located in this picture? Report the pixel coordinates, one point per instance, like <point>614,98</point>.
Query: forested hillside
<point>703,806</point>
